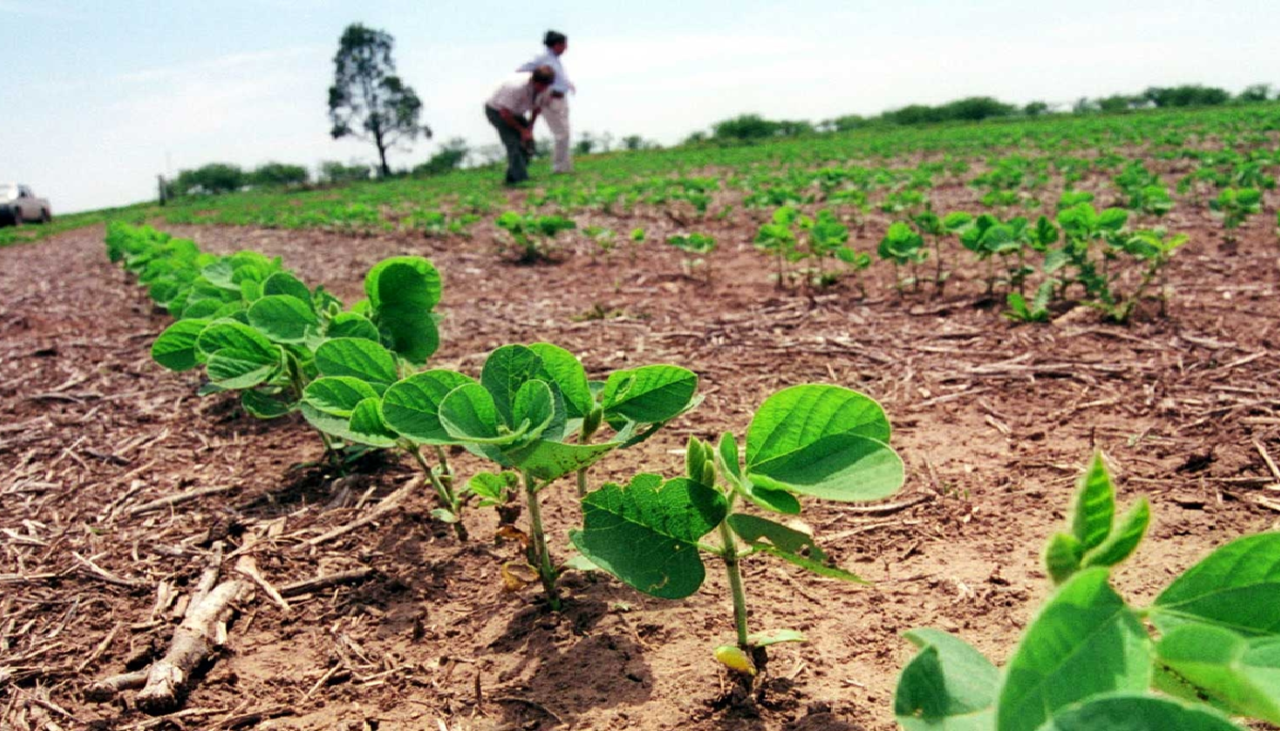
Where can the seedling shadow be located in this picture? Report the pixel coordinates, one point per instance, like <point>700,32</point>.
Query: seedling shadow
<point>573,665</point>
<point>322,483</point>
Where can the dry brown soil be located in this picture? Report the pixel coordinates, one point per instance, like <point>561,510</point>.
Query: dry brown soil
<point>993,419</point>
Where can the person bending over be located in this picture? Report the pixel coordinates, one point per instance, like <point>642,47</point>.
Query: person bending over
<point>505,110</point>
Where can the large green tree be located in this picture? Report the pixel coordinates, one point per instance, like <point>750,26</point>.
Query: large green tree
<point>368,100</point>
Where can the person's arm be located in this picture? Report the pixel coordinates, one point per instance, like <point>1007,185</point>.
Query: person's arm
<point>537,61</point>
<point>514,123</point>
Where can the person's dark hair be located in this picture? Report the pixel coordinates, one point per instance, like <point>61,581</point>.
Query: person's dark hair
<point>544,75</point>
<point>553,38</point>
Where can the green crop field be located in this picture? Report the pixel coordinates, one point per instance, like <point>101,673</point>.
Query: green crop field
<point>849,413</point>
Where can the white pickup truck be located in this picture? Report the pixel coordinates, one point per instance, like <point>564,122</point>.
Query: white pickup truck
<point>19,205</point>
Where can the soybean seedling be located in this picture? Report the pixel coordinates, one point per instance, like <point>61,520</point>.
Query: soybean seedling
<point>806,441</point>
<point>695,247</point>
<point>533,412</point>
<point>1236,205</point>
<point>1088,660</point>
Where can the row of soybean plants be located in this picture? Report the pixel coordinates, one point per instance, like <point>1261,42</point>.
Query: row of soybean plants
<point>358,375</point>
<point>1207,647</point>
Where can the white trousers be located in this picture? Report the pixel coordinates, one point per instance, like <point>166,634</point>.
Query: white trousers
<point>556,111</point>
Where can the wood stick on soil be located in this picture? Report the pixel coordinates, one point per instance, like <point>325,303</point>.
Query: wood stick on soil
<point>165,683</point>
<point>107,689</point>
<point>193,642</point>
<point>181,497</point>
<point>1266,457</point>
<point>248,566</point>
<point>391,502</point>
<point>254,717</point>
<point>105,575</point>
<point>324,582</point>
<point>101,648</point>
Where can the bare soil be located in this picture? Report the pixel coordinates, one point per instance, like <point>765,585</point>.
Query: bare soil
<point>994,419</point>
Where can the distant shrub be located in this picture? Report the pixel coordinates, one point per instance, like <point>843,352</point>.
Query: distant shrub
<point>451,156</point>
<point>1186,95</point>
<point>211,179</point>
<point>278,173</point>
<point>332,171</point>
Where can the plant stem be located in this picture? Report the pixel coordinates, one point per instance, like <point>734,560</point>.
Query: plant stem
<point>540,557</point>
<point>446,472</point>
<point>583,437</point>
<point>729,554</point>
<point>938,281</point>
<point>444,494</point>
<point>331,452</point>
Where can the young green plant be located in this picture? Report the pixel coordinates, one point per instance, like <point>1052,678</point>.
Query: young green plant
<point>1088,660</point>
<point>533,412</point>
<point>805,441</point>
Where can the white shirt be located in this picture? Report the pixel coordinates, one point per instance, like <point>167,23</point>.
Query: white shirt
<point>548,58</point>
<point>515,95</point>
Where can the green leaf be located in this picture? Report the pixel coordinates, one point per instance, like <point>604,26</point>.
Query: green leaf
<point>1137,712</point>
<point>282,317</point>
<point>789,544</point>
<point>263,406</point>
<point>1095,506</point>
<point>351,325</point>
<point>649,394</point>
<point>800,415</point>
<point>1113,219</point>
<point>337,395</point>
<point>284,283</point>
<point>1236,586</point>
<point>234,370</point>
<point>250,290</point>
<point>837,467</point>
<point>505,371</point>
<point>825,441</point>
<point>368,427</point>
<point>228,334</point>
<point>729,461</point>
<point>533,409</point>
<point>547,461</point>
<point>413,335</point>
<point>1123,541</point>
<point>412,406</point>
<point>1062,557</point>
<point>201,309</point>
<point>1244,674</point>
<point>219,275</point>
<point>777,501</point>
<point>562,368</point>
<point>947,686</point>
<point>493,487</point>
<point>358,358</point>
<point>402,291</point>
<point>646,534</point>
<point>1085,641</point>
<point>379,291</point>
<point>176,349</point>
<point>336,426</point>
<point>468,413</point>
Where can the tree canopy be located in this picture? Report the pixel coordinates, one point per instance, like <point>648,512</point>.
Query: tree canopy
<point>368,100</point>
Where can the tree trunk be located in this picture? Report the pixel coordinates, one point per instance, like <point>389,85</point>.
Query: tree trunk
<point>384,170</point>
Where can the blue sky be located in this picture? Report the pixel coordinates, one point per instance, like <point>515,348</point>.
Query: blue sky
<point>100,96</point>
